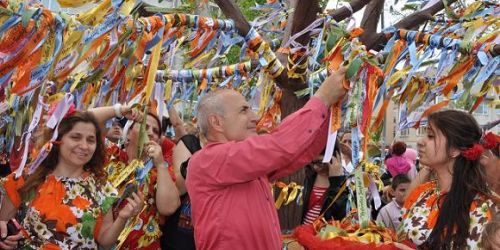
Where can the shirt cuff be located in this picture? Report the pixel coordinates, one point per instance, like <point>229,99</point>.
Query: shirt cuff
<point>316,104</point>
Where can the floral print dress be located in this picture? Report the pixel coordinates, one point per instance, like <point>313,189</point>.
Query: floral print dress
<point>65,213</point>
<point>146,233</point>
<point>420,213</point>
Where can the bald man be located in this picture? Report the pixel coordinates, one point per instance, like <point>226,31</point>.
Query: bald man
<point>229,179</point>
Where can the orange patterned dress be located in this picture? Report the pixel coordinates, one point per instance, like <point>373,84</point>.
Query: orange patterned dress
<point>65,213</point>
<point>420,213</point>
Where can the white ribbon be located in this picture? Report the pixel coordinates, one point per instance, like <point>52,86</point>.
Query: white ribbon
<point>27,136</point>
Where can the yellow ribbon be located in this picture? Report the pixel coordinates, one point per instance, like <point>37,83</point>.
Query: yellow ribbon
<point>284,196</point>
<point>120,172</point>
<point>168,90</point>
<point>96,14</point>
<point>281,197</point>
<point>152,67</point>
<point>396,76</point>
<point>74,3</point>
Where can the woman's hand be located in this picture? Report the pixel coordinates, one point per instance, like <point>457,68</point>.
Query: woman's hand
<point>11,241</point>
<point>131,113</point>
<point>335,167</point>
<point>154,151</point>
<point>134,206</point>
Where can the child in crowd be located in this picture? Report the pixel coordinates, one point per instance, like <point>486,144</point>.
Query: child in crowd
<point>390,214</point>
<point>398,164</point>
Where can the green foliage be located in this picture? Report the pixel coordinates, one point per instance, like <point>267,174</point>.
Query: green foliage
<point>411,6</point>
<point>245,6</point>
<point>185,7</point>
<point>323,3</point>
<point>233,56</point>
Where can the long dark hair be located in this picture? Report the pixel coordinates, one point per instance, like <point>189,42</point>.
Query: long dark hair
<point>94,166</point>
<point>452,227</point>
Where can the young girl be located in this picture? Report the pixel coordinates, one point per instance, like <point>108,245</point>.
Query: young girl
<point>65,203</point>
<point>450,213</point>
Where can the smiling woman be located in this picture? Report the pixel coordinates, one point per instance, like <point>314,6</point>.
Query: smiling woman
<point>156,183</point>
<point>64,203</point>
<point>77,147</point>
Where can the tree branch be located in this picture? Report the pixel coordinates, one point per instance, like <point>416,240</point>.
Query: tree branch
<point>370,19</point>
<point>233,12</point>
<point>305,13</point>
<point>243,27</point>
<point>414,20</point>
<point>288,31</point>
<point>344,12</point>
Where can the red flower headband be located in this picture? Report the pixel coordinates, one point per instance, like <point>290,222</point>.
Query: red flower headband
<point>488,141</point>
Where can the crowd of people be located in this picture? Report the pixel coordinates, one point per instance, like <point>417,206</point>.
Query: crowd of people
<point>114,180</point>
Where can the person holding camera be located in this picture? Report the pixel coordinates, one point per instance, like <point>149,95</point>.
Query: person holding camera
<point>157,184</point>
<point>322,183</point>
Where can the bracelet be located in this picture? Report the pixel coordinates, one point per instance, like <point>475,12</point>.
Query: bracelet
<point>164,165</point>
<point>117,107</point>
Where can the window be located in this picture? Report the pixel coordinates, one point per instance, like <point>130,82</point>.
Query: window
<point>405,132</point>
<point>421,130</point>
<point>482,109</point>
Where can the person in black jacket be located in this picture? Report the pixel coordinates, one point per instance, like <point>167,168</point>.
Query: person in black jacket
<point>178,230</point>
<point>322,183</point>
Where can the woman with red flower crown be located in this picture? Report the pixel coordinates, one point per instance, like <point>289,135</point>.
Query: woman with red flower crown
<point>450,212</point>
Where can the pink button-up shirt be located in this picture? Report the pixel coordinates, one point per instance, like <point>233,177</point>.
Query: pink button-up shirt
<point>229,183</point>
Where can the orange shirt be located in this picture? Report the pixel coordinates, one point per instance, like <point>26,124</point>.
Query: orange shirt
<point>66,213</point>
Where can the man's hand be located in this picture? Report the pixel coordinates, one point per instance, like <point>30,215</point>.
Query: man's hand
<point>331,90</point>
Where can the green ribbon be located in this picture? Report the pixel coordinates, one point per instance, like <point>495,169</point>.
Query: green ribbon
<point>363,214</point>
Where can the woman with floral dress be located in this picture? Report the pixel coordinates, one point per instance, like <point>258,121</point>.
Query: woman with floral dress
<point>158,186</point>
<point>65,203</point>
<point>450,212</point>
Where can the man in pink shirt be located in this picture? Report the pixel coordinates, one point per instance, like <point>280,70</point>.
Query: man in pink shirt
<point>229,179</point>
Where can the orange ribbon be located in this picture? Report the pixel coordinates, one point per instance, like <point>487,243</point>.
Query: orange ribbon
<point>382,111</point>
<point>455,75</point>
<point>430,110</point>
